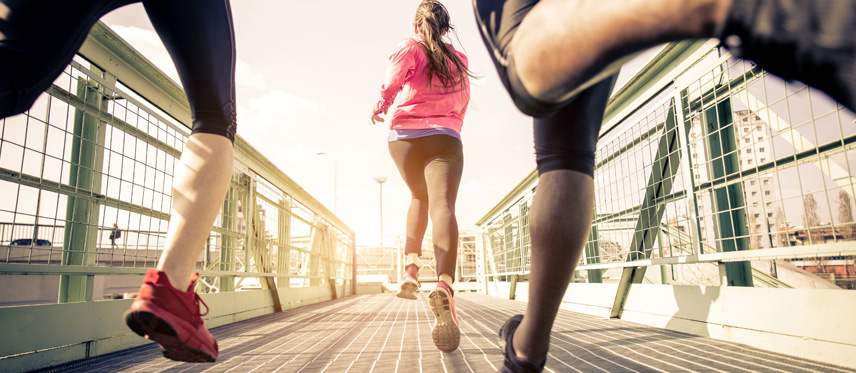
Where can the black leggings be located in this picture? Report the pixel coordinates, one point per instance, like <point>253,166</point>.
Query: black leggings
<point>39,38</point>
<point>431,167</point>
<point>565,133</point>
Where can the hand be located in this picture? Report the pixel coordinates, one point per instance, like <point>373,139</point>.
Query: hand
<point>376,118</point>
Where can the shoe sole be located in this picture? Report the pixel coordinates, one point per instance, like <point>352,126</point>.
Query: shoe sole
<point>148,325</point>
<point>407,291</point>
<point>446,334</point>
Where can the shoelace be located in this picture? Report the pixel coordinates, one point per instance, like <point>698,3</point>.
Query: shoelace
<point>408,277</point>
<point>197,317</point>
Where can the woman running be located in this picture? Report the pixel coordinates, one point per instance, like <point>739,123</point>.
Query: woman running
<point>38,40</point>
<point>427,89</point>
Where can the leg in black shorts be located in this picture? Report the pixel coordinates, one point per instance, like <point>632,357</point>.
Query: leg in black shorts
<point>797,39</point>
<point>37,44</point>
<point>565,138</point>
<point>39,38</point>
<point>565,134</point>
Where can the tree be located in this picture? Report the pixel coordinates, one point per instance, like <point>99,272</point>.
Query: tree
<point>782,238</point>
<point>810,218</point>
<point>845,217</point>
<point>755,241</point>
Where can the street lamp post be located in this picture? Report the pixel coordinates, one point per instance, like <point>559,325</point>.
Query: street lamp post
<point>380,180</point>
<point>335,180</point>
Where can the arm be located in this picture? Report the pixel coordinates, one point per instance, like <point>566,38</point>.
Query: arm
<point>402,65</point>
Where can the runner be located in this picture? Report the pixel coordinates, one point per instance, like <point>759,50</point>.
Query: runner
<point>38,40</point>
<point>427,89</point>
<point>558,60</point>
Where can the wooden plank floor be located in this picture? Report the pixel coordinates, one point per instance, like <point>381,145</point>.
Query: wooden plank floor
<point>381,333</point>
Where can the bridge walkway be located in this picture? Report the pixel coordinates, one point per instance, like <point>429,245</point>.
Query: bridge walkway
<point>381,333</point>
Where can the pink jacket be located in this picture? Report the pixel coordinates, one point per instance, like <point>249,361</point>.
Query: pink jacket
<point>411,102</point>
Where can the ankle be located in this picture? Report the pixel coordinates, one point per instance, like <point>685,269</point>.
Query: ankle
<point>180,281</point>
<point>527,351</point>
<point>447,279</point>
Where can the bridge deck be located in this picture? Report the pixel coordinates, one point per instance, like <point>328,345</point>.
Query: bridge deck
<point>382,333</point>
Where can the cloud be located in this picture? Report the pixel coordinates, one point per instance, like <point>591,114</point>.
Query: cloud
<point>149,44</point>
<point>247,77</point>
<point>284,128</point>
<point>278,111</point>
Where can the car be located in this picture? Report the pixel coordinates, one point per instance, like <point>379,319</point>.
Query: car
<point>29,242</point>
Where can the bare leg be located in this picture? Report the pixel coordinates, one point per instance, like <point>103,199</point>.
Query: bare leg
<point>560,219</point>
<point>555,61</point>
<point>198,189</point>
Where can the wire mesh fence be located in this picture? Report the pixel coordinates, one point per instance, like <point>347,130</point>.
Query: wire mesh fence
<point>722,157</point>
<point>85,179</point>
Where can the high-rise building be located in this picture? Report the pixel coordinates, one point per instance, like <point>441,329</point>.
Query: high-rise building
<point>753,149</point>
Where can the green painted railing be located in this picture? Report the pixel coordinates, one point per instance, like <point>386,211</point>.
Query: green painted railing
<point>704,159</point>
<point>724,201</point>
<point>99,148</point>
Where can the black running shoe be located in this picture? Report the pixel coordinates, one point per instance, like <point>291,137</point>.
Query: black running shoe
<point>512,363</point>
<point>813,41</point>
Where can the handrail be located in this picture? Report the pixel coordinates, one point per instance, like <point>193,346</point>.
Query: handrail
<point>696,80</point>
<point>313,243</point>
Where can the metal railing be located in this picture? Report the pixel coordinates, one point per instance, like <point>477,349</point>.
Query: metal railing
<point>100,148</point>
<point>711,172</point>
<point>387,263</point>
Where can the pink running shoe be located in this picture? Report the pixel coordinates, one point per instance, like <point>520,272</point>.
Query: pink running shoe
<point>446,333</point>
<point>171,318</point>
<point>409,283</point>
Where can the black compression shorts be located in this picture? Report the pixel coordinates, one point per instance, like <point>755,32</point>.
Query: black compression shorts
<point>565,133</point>
<point>39,38</point>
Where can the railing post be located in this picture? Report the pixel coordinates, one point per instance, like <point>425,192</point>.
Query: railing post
<point>329,268</point>
<point>592,255</point>
<point>522,228</point>
<point>229,223</point>
<point>512,290</point>
<point>682,110</point>
<point>81,227</point>
<point>353,252</point>
<point>283,263</point>
<point>728,201</point>
<point>315,256</point>
<point>665,167</point>
<point>248,209</point>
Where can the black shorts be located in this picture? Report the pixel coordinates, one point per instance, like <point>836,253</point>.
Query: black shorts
<point>39,39</point>
<point>565,133</point>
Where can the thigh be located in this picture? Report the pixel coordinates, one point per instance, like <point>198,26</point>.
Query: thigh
<point>443,169</point>
<point>498,20</point>
<point>39,38</point>
<point>567,139</point>
<point>200,38</point>
<point>410,162</point>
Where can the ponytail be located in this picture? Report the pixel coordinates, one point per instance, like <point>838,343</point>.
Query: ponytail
<point>432,20</point>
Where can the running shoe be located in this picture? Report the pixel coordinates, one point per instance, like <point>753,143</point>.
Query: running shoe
<point>446,333</point>
<point>172,318</point>
<point>409,283</point>
<point>512,363</point>
<point>808,40</point>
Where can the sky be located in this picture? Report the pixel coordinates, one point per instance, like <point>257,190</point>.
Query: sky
<point>308,75</point>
